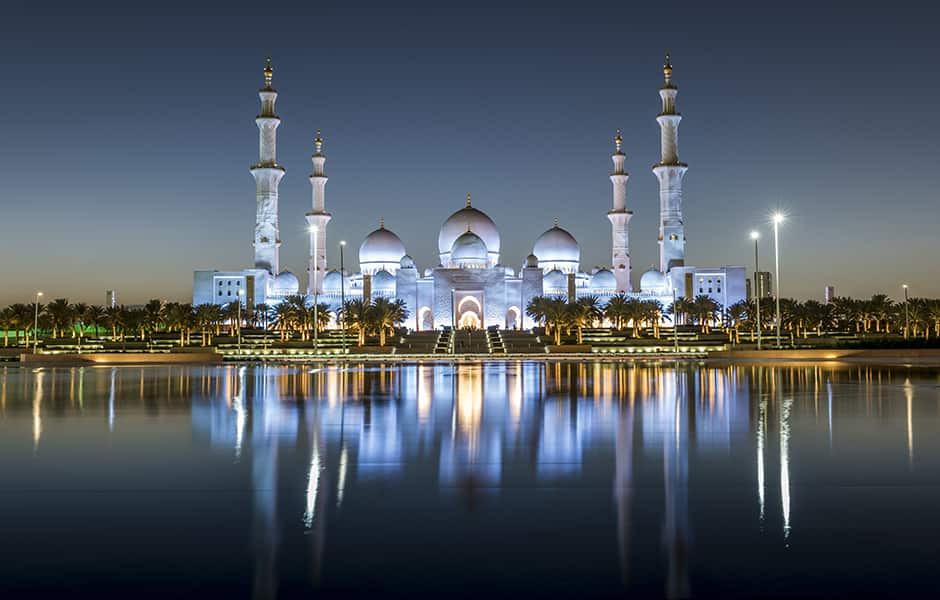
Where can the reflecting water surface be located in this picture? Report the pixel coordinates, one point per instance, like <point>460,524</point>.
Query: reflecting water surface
<point>539,479</point>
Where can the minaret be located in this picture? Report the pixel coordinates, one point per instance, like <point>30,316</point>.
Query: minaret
<point>317,218</point>
<point>267,174</point>
<point>670,172</point>
<point>619,218</point>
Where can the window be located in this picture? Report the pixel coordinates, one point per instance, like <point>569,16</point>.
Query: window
<point>220,283</point>
<point>229,293</point>
<point>238,282</point>
<point>709,290</point>
<point>220,291</point>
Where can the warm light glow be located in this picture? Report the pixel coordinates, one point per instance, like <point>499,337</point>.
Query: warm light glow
<point>904,286</point>
<point>754,235</point>
<point>38,294</point>
<point>342,242</point>
<point>778,218</point>
<point>313,229</point>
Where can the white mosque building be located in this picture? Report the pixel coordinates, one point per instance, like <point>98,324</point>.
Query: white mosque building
<point>470,287</point>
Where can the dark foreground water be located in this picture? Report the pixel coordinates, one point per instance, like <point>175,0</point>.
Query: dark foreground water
<point>498,479</point>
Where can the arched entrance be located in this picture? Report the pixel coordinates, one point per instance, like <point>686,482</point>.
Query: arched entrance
<point>512,317</point>
<point>470,320</point>
<point>469,307</point>
<point>425,319</point>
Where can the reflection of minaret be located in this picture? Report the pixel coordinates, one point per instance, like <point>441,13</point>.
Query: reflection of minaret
<point>267,174</point>
<point>676,479</point>
<point>623,482</point>
<point>619,218</point>
<point>785,463</point>
<point>669,171</point>
<point>264,486</point>
<point>317,220</point>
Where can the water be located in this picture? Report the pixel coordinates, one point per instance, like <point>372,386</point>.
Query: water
<point>504,479</point>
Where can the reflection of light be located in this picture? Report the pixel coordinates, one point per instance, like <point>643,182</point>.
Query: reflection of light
<point>909,395</point>
<point>425,380</point>
<point>761,434</point>
<point>240,416</point>
<point>829,394</point>
<point>37,411</point>
<point>313,485</point>
<point>785,464</point>
<point>111,401</point>
<point>341,480</point>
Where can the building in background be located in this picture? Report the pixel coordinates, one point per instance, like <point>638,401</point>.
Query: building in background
<point>829,293</point>
<point>110,299</point>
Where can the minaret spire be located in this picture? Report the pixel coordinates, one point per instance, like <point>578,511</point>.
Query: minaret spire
<point>670,171</point>
<point>267,174</point>
<point>317,219</point>
<point>619,218</point>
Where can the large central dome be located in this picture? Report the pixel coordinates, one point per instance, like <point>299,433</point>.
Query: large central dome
<point>557,249</point>
<point>468,218</point>
<point>382,250</point>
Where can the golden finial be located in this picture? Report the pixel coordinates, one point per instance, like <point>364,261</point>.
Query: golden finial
<point>381,222</point>
<point>268,72</point>
<point>667,68</point>
<point>468,199</point>
<point>468,228</point>
<point>556,221</point>
<point>318,142</point>
<point>618,141</point>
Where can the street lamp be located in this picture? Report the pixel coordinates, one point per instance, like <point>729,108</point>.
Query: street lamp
<point>342,294</point>
<point>756,236</point>
<point>907,320</point>
<point>778,219</point>
<point>316,318</point>
<point>36,323</point>
<point>241,294</point>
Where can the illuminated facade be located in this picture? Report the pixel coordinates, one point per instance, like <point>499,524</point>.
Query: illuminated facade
<point>470,287</point>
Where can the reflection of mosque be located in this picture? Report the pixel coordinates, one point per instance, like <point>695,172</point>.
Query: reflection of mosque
<point>480,427</point>
<point>471,422</point>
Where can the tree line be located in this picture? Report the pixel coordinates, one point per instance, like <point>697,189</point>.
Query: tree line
<point>295,317</point>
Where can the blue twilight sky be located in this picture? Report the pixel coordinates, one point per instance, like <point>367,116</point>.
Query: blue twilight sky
<point>128,137</point>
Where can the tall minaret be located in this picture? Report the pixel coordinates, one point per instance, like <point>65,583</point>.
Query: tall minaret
<point>267,174</point>
<point>670,172</point>
<point>317,220</point>
<point>620,219</point>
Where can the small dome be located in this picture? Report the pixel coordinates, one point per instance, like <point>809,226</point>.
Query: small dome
<point>383,281</point>
<point>469,249</point>
<point>554,280</point>
<point>557,249</point>
<point>652,281</point>
<point>531,261</point>
<point>407,262</point>
<point>285,283</point>
<point>332,282</point>
<point>510,272</point>
<point>474,219</point>
<point>381,249</point>
<point>603,280</point>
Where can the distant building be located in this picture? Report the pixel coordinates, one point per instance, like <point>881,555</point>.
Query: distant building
<point>110,300</point>
<point>830,293</point>
<point>764,285</point>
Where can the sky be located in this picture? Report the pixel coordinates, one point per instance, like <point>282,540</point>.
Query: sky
<point>128,136</point>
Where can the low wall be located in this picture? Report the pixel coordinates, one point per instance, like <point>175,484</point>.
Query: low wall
<point>932,354</point>
<point>105,358</point>
<point>569,349</point>
<point>372,350</point>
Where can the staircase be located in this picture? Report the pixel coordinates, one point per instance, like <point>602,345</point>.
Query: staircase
<point>445,341</point>
<point>494,341</point>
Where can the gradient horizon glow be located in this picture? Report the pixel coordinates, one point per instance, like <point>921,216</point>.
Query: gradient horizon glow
<point>128,137</point>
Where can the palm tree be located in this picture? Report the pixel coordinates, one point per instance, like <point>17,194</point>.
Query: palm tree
<point>705,310</point>
<point>556,316</point>
<point>178,316</point>
<point>94,316</point>
<point>60,315</point>
<point>356,315</point>
<point>114,318</point>
<point>616,310</point>
<point>386,315</point>
<point>535,309</point>
<point>653,314</point>
<point>7,321</point>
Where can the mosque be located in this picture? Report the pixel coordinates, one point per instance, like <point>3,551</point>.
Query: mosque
<point>470,287</point>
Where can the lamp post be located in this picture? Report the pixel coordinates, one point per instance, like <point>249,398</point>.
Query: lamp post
<point>316,317</point>
<point>36,323</point>
<point>907,320</point>
<point>342,294</point>
<point>241,294</point>
<point>756,236</point>
<point>675,322</point>
<point>778,219</point>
